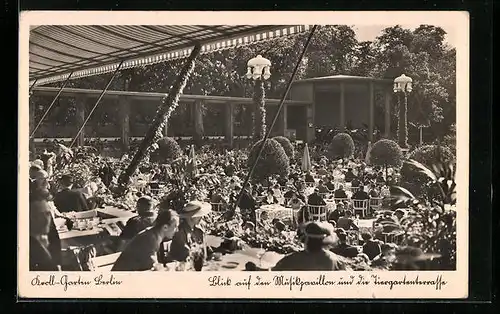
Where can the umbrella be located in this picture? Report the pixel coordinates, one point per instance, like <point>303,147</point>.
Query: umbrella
<point>368,151</point>
<point>306,160</point>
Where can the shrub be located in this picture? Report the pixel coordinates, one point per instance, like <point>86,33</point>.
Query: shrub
<point>273,160</point>
<point>167,150</point>
<point>386,153</point>
<point>341,147</point>
<point>287,146</point>
<point>427,155</point>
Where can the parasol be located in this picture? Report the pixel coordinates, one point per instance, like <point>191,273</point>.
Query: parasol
<point>368,151</point>
<point>306,160</point>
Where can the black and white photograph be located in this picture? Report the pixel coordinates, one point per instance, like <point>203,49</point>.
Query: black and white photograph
<point>212,148</point>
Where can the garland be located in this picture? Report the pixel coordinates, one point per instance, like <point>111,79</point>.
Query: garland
<point>403,123</point>
<point>260,114</point>
<point>163,114</point>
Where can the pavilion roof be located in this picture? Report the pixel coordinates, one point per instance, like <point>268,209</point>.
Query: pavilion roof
<point>56,51</point>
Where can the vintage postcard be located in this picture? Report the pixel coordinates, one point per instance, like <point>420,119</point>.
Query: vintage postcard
<point>241,155</point>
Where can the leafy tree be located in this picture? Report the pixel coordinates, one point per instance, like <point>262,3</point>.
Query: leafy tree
<point>287,146</point>
<point>167,150</point>
<point>332,51</point>
<point>423,55</point>
<point>273,160</point>
<point>386,153</point>
<point>341,147</point>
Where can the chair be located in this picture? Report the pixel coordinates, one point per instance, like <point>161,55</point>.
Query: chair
<point>360,206</point>
<point>340,199</point>
<point>218,207</point>
<point>395,236</point>
<point>106,262</point>
<point>317,212</point>
<point>324,195</point>
<point>375,203</point>
<point>354,189</point>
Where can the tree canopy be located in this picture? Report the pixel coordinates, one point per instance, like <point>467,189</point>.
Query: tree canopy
<point>421,53</point>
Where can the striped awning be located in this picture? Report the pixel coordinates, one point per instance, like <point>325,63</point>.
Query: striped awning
<point>56,51</point>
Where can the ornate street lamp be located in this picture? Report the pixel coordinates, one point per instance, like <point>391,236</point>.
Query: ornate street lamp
<point>259,71</point>
<point>403,84</point>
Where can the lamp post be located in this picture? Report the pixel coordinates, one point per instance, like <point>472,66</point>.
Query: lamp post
<point>403,84</point>
<point>259,71</point>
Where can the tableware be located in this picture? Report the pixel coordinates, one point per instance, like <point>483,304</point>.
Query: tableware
<point>217,256</point>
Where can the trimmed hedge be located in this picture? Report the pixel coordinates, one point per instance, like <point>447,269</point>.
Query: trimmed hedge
<point>427,155</point>
<point>341,147</point>
<point>168,150</point>
<point>287,146</point>
<point>273,160</point>
<point>386,153</point>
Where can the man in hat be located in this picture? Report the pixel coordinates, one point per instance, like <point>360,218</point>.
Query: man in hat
<point>360,194</point>
<point>140,254</point>
<point>69,199</point>
<point>315,199</point>
<point>349,175</point>
<point>340,193</point>
<point>317,237</point>
<point>190,232</point>
<point>145,219</point>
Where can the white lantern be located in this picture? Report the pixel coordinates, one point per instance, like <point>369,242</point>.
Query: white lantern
<point>403,84</point>
<point>259,67</point>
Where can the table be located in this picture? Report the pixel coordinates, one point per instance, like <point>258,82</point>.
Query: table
<point>97,236</point>
<point>236,261</point>
<point>274,211</point>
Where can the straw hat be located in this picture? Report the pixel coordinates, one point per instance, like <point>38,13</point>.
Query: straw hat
<point>37,163</point>
<point>195,209</point>
<point>320,230</point>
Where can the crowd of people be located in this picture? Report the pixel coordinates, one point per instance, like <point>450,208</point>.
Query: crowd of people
<point>165,229</point>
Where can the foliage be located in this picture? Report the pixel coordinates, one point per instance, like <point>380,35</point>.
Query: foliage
<point>421,53</point>
<point>273,160</point>
<point>386,153</point>
<point>432,225</point>
<point>450,140</point>
<point>341,147</point>
<point>260,111</point>
<point>428,155</point>
<point>168,150</point>
<point>287,146</point>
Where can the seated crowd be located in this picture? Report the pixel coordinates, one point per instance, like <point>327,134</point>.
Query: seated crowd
<point>163,232</point>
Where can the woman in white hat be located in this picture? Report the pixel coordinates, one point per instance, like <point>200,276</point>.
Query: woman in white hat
<point>189,232</point>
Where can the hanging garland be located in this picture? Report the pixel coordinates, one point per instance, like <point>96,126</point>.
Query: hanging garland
<point>168,105</point>
<point>403,123</point>
<point>260,113</point>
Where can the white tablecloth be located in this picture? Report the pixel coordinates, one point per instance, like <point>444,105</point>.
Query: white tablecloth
<point>274,211</point>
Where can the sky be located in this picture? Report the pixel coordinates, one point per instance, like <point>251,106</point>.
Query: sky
<point>370,32</point>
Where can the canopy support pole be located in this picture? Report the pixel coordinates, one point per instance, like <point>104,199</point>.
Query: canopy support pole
<point>167,107</point>
<point>96,104</point>
<point>32,85</point>
<point>276,116</point>
<point>52,104</point>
